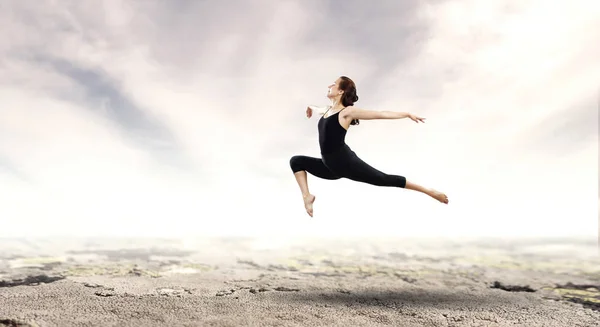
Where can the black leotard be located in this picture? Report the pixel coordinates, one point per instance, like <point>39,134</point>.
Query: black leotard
<point>339,161</point>
<point>332,136</point>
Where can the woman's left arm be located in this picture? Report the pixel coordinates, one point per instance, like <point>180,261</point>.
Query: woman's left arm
<point>358,113</point>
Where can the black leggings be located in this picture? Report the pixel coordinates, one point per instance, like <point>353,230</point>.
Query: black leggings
<point>344,163</point>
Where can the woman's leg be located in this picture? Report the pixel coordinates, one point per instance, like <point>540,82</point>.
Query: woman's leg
<point>300,166</point>
<point>360,171</point>
<point>429,191</point>
<point>357,170</point>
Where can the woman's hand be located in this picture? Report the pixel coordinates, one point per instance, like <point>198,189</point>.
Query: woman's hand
<point>416,119</point>
<point>309,112</point>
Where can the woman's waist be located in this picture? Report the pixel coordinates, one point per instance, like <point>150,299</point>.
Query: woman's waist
<point>337,151</point>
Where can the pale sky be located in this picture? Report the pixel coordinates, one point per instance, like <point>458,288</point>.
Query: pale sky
<point>178,118</point>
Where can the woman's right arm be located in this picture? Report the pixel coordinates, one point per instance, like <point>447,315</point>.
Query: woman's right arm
<point>316,110</point>
<point>319,110</point>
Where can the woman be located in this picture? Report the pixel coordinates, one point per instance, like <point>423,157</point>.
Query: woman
<point>337,159</point>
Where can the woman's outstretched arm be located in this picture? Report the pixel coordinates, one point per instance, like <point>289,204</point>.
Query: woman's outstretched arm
<point>358,113</point>
<point>315,110</point>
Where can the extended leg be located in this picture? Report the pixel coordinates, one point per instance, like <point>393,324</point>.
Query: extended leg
<point>429,191</point>
<point>300,166</point>
<point>360,171</point>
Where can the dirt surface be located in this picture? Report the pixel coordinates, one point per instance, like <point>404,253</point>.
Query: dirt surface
<point>299,282</point>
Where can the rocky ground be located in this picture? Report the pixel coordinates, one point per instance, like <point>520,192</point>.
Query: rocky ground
<point>269,282</point>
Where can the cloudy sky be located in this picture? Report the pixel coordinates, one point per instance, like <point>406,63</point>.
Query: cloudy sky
<point>179,117</point>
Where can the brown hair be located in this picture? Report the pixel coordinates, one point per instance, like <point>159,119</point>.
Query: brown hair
<point>349,96</point>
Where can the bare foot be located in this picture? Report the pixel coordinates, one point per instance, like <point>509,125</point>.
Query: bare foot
<point>439,196</point>
<point>308,204</point>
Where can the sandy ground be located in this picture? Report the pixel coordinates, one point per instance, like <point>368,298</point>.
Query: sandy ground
<point>276,282</point>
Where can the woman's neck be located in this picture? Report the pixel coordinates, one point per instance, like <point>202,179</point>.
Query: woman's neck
<point>336,105</point>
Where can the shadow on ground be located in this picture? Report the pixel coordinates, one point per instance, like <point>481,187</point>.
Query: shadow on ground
<point>422,298</point>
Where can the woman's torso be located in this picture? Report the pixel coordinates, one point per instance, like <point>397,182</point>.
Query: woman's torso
<point>332,135</point>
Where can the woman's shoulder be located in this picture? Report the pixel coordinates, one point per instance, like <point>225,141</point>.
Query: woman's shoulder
<point>348,110</point>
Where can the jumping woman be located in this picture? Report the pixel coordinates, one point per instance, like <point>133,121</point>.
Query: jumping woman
<point>337,159</point>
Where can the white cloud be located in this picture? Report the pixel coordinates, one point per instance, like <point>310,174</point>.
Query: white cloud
<point>232,90</point>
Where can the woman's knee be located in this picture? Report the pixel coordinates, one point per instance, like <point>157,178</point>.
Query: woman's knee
<point>296,164</point>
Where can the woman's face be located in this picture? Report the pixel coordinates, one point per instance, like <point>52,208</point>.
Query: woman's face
<point>334,90</point>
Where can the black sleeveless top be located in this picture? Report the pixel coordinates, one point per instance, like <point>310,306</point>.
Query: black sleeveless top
<point>331,134</point>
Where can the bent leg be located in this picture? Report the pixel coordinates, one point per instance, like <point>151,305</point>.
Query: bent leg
<point>314,166</point>
<point>300,165</point>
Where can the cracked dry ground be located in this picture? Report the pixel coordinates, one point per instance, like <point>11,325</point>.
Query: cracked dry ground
<point>227,282</point>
